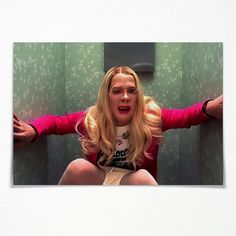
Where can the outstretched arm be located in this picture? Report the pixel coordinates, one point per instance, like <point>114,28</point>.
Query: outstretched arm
<point>193,115</point>
<point>45,125</point>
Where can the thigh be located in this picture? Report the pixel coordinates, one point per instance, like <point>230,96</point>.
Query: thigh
<point>140,177</point>
<point>81,171</point>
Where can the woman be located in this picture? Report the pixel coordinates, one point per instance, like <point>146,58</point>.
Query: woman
<point>120,134</point>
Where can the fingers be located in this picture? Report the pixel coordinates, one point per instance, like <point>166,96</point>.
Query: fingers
<point>17,132</point>
<point>16,122</point>
<point>15,117</point>
<point>220,99</point>
<point>23,133</point>
<point>17,128</point>
<point>18,136</point>
<point>220,102</point>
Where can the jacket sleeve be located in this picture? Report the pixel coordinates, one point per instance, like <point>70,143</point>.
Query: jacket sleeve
<point>54,124</point>
<point>183,118</point>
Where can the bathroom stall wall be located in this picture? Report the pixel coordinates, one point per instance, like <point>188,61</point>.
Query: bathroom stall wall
<point>38,89</point>
<point>201,152</point>
<point>83,74</point>
<point>52,78</point>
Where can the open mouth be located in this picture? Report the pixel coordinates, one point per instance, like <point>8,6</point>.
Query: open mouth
<point>123,109</point>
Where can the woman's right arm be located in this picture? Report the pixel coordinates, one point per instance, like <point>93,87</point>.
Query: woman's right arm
<point>45,125</point>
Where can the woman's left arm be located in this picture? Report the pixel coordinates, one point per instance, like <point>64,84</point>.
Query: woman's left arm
<point>193,115</point>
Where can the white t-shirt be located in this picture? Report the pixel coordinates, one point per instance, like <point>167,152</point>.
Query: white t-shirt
<point>121,150</point>
<point>122,140</point>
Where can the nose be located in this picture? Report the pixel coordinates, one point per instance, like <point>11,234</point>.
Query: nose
<point>125,96</point>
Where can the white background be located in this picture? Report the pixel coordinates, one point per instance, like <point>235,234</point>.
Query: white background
<point>165,210</point>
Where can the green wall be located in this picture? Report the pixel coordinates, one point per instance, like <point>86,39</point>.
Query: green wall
<point>59,78</point>
<point>38,88</point>
<point>83,73</point>
<point>202,149</point>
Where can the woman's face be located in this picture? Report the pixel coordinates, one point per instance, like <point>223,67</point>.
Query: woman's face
<point>122,98</point>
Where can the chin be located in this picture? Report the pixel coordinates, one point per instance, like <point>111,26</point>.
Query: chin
<point>123,122</point>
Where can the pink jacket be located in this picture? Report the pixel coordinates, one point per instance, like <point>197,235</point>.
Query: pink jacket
<point>171,119</point>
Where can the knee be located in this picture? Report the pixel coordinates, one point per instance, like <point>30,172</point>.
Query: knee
<point>81,171</point>
<point>78,167</point>
<point>143,177</point>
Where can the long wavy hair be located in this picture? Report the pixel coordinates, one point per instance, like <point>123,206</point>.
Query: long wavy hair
<point>100,128</point>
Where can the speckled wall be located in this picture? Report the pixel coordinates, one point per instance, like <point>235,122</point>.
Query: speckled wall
<point>39,88</point>
<point>68,76</point>
<point>83,72</point>
<point>201,154</point>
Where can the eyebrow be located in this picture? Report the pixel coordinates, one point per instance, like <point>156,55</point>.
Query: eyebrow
<point>115,87</point>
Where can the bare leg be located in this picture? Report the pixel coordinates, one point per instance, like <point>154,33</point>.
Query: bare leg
<point>140,177</point>
<point>81,171</point>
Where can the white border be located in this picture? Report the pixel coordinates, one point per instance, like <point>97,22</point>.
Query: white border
<point>125,210</point>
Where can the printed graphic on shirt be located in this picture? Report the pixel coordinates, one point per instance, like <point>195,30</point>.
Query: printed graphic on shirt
<point>121,151</point>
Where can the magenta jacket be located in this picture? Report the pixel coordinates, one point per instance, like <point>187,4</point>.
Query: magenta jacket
<point>171,119</point>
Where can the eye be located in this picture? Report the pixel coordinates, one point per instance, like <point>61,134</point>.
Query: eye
<point>132,90</point>
<point>116,90</point>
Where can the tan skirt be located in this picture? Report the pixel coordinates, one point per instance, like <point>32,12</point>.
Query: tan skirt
<point>114,175</point>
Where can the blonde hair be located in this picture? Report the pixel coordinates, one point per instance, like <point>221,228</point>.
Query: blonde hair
<point>145,124</point>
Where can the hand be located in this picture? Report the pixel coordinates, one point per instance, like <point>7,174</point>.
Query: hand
<point>23,133</point>
<point>215,107</point>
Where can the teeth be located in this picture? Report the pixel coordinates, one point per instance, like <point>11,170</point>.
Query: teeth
<point>124,108</point>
